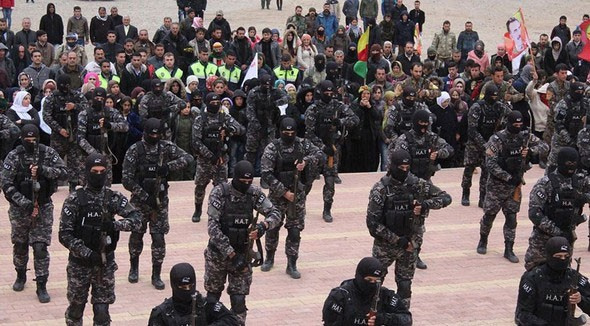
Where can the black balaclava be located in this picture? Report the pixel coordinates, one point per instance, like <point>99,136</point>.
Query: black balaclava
<point>63,84</point>
<point>213,107</point>
<point>182,275</point>
<point>157,87</point>
<point>29,130</point>
<point>96,181</point>
<point>243,170</point>
<point>409,91</point>
<point>100,93</point>
<point>557,245</point>
<point>152,127</point>
<point>512,118</point>
<point>319,62</point>
<point>491,94</point>
<point>288,124</point>
<point>577,91</point>
<point>567,161</point>
<point>368,266</point>
<point>420,116</point>
<point>326,86</point>
<point>265,84</point>
<point>332,71</point>
<point>397,158</point>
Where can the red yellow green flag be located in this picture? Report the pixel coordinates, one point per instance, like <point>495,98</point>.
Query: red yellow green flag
<point>360,67</point>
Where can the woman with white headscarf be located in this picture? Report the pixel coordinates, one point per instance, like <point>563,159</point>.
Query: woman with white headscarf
<point>22,112</point>
<point>446,124</point>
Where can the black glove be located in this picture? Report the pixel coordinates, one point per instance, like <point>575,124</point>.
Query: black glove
<point>106,124</point>
<point>403,242</point>
<point>108,226</point>
<point>238,262</point>
<point>163,170</point>
<point>336,123</point>
<point>95,259</point>
<point>515,181</point>
<point>329,150</point>
<point>261,229</point>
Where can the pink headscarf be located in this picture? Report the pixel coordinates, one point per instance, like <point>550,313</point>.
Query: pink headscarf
<point>91,74</point>
<point>197,22</point>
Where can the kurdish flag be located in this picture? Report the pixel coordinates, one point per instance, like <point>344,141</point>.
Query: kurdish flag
<point>360,67</point>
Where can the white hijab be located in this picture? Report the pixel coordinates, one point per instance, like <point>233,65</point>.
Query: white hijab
<point>17,106</point>
<point>444,96</point>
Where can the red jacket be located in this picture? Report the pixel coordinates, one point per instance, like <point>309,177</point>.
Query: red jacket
<point>7,3</point>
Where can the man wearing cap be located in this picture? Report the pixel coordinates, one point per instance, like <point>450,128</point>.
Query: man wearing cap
<point>349,304</point>
<point>94,126</point>
<point>146,167</point>
<point>547,293</point>
<point>160,105</point>
<point>283,163</point>
<point>29,178</point>
<point>399,120</point>
<point>227,255</point>
<point>222,23</point>
<point>88,229</point>
<point>395,203</point>
<point>506,156</point>
<point>211,132</point>
<point>285,71</point>
<point>555,205</point>
<point>187,305</point>
<point>203,69</point>
<point>60,113</point>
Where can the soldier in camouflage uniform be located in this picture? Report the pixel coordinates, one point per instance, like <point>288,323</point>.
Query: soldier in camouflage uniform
<point>570,118</point>
<point>9,133</point>
<point>230,217</point>
<point>399,120</point>
<point>263,114</point>
<point>557,91</point>
<point>325,121</point>
<point>211,132</point>
<point>423,87</point>
<point>31,170</point>
<point>89,230</point>
<point>483,120</point>
<point>425,147</point>
<point>555,205</point>
<point>506,91</point>
<point>60,113</point>
<point>146,168</point>
<point>160,105</point>
<point>281,161</point>
<point>94,125</point>
<point>506,154</point>
<point>397,204</point>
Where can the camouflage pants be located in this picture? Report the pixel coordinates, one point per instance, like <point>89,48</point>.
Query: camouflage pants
<point>255,145</point>
<point>80,278</point>
<point>207,172</point>
<point>71,153</point>
<point>500,196</point>
<point>329,174</point>
<point>23,235</point>
<point>159,226</point>
<point>405,266</point>
<point>473,158</point>
<point>292,222</point>
<point>109,169</point>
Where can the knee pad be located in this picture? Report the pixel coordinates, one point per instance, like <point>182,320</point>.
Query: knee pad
<point>158,240</point>
<point>213,296</point>
<point>511,221</point>
<point>40,250</point>
<point>294,234</point>
<point>101,313</point>
<point>75,311</point>
<point>20,248</point>
<point>404,288</point>
<point>238,303</point>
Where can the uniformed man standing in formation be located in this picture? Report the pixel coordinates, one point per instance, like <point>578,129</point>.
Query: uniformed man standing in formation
<point>187,306</point>
<point>89,230</point>
<point>230,218</point>
<point>396,203</point>
<point>212,129</point>
<point>60,113</point>
<point>160,105</point>
<point>350,303</point>
<point>399,120</point>
<point>484,119</point>
<point>29,178</point>
<point>325,121</point>
<point>548,294</point>
<point>506,163</point>
<point>555,205</point>
<point>146,168</point>
<point>283,164</point>
<point>94,125</point>
<point>425,148</point>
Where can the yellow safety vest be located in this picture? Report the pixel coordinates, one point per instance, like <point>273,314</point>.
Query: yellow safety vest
<point>202,72</point>
<point>231,75</point>
<point>104,83</point>
<point>163,74</point>
<point>289,76</point>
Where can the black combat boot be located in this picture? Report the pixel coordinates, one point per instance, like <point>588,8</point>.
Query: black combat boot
<point>268,262</point>
<point>42,294</point>
<point>198,212</point>
<point>465,197</point>
<point>134,270</point>
<point>156,280</point>
<point>292,267</point>
<point>419,263</point>
<point>508,253</point>
<point>21,279</point>
<point>327,214</point>
<point>482,246</point>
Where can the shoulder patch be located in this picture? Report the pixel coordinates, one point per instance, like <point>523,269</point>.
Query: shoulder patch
<point>216,203</point>
<point>376,199</point>
<point>124,202</point>
<point>527,287</point>
<point>261,198</point>
<point>67,211</point>
<point>7,166</point>
<point>540,194</point>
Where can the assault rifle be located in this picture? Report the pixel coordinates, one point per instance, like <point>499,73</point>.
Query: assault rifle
<point>159,187</point>
<point>518,191</point>
<point>70,128</point>
<point>254,258</point>
<point>571,308</point>
<point>104,143</point>
<point>105,239</point>
<point>36,186</point>
<point>293,205</point>
<point>375,301</point>
<point>197,310</point>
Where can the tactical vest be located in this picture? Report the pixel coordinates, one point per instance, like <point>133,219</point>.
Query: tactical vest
<point>323,125</point>
<point>420,153</point>
<point>398,209</point>
<point>68,120</point>
<point>93,130</point>
<point>510,158</point>
<point>574,115</point>
<point>551,298</point>
<point>354,310</point>
<point>488,120</point>
<point>403,122</point>
<point>23,181</point>
<point>211,134</point>
<point>156,108</point>
<point>285,164</point>
<point>236,218</point>
<point>147,176</point>
<point>172,317</point>
<point>88,223</point>
<point>561,206</point>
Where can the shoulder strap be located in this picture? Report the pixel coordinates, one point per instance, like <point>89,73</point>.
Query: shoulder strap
<point>140,150</point>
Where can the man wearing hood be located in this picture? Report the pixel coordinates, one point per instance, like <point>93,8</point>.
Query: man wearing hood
<point>404,30</point>
<point>390,213</point>
<point>52,23</point>
<point>555,56</point>
<point>99,26</point>
<point>160,105</point>
<point>317,73</point>
<point>7,64</point>
<point>350,303</point>
<point>29,178</point>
